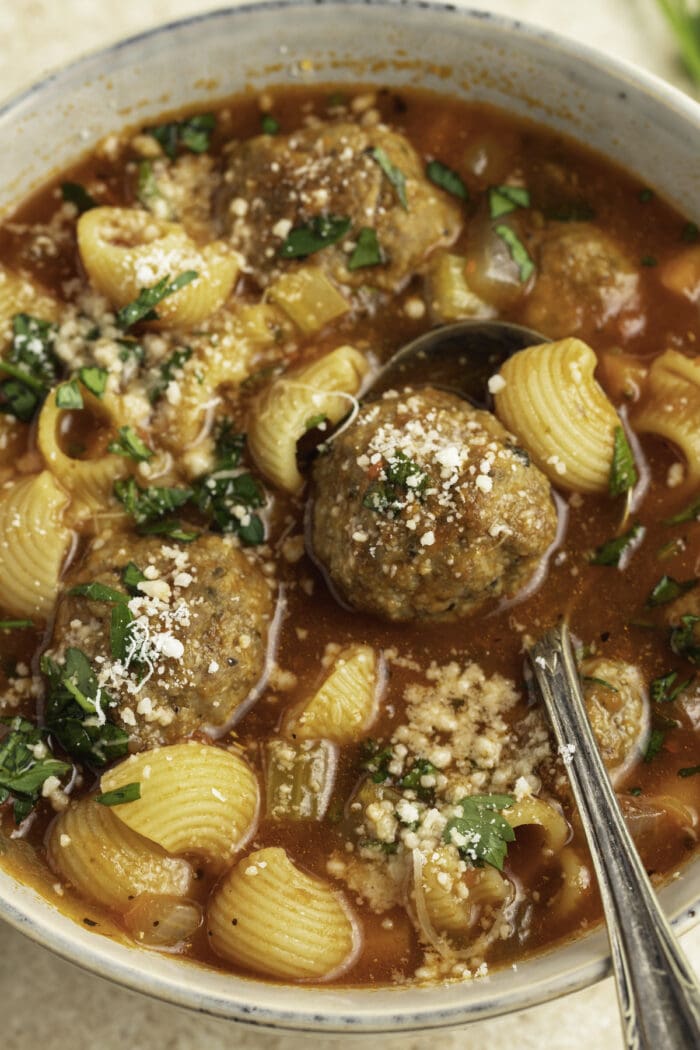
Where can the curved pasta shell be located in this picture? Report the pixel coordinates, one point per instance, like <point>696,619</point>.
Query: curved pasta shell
<point>345,705</point>
<point>453,899</point>
<point>125,250</point>
<point>671,406</point>
<point>109,863</point>
<point>90,482</point>
<point>280,414</point>
<point>555,407</point>
<point>272,918</point>
<point>195,798</point>
<point>33,544</point>
<point>537,811</point>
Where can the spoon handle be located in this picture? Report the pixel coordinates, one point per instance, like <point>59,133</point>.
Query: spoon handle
<point>657,989</point>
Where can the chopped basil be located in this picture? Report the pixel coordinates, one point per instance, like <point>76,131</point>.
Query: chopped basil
<point>664,690</point>
<point>75,710</point>
<point>130,445</point>
<point>130,349</point>
<point>376,759</point>
<point>99,592</point>
<point>319,233</point>
<point>395,176</point>
<point>505,199</point>
<point>269,125</point>
<point>401,476</point>
<point>685,640</point>
<point>518,252</point>
<point>74,193</point>
<point>655,743</point>
<point>22,772</point>
<point>481,833</point>
<point>132,577</point>
<point>599,681</point>
<point>193,133</point>
<point>689,513</point>
<point>172,529</point>
<point>691,233</point>
<point>412,780</point>
<point>447,179</point>
<point>228,446</point>
<point>68,395</point>
<point>94,379</point>
<point>668,589</point>
<point>367,251</point>
<point>151,503</point>
<point>120,796</point>
<point>15,625</point>
<point>142,308</point>
<point>169,370</point>
<point>31,366</point>
<point>689,771</point>
<point>119,630</point>
<point>229,499</point>
<point>623,473</point>
<point>611,553</point>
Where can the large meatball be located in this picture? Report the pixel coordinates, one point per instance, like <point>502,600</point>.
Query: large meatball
<point>274,183</point>
<point>425,507</point>
<point>197,644</point>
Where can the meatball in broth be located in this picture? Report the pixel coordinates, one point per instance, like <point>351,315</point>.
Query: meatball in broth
<point>426,508</point>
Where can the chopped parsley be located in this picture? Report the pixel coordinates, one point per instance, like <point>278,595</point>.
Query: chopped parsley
<point>25,764</point>
<point>94,379</point>
<point>74,193</point>
<point>689,513</point>
<point>148,191</point>
<point>317,234</point>
<point>151,503</point>
<point>169,371</point>
<point>689,771</point>
<point>613,551</point>
<point>376,759</point>
<point>667,590</point>
<point>395,176</point>
<point>99,592</point>
<point>447,179</point>
<point>412,780</point>
<point>664,689</point>
<point>518,252</point>
<point>505,199</point>
<point>481,833</point>
<point>230,500</point>
<point>193,134</point>
<point>683,638</point>
<point>367,251</point>
<point>31,366</point>
<point>401,476</point>
<point>75,711</point>
<point>269,125</point>
<point>143,307</point>
<point>68,395</point>
<point>623,473</point>
<point>130,445</point>
<point>120,796</point>
<point>132,577</point>
<point>655,744</point>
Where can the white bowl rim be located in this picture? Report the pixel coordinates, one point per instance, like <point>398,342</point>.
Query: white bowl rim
<point>40,921</point>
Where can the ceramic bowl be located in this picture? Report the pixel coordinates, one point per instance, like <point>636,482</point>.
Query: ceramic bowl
<point>630,117</point>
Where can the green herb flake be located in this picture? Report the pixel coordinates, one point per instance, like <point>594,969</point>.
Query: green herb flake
<point>447,179</point>
<point>649,261</point>
<point>231,501</point>
<point>623,473</point>
<point>518,252</point>
<point>689,513</point>
<point>685,640</point>
<point>667,590</point>
<point>130,445</point>
<point>635,792</point>
<point>74,193</point>
<point>664,690</point>
<point>690,233</point>
<point>614,551</point>
<point>367,251</point>
<point>120,796</point>
<point>670,549</point>
<point>395,176</point>
<point>25,764</point>
<point>94,379</point>
<point>269,125</point>
<point>151,503</point>
<point>505,199</point>
<point>132,577</point>
<point>193,134</point>
<point>599,681</point>
<point>400,476</point>
<point>646,195</point>
<point>655,744</point>
<point>173,530</point>
<point>319,233</point>
<point>170,371</point>
<point>315,421</point>
<point>15,625</point>
<point>120,623</point>
<point>689,771</point>
<point>31,366</point>
<point>68,395</point>
<point>143,307</point>
<point>481,833</point>
<point>376,759</point>
<point>413,780</point>
<point>99,592</point>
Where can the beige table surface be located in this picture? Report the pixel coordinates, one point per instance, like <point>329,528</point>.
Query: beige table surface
<point>48,1004</point>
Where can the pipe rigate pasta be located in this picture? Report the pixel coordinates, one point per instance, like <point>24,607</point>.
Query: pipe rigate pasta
<point>125,250</point>
<point>108,862</point>
<point>33,544</point>
<point>555,407</point>
<point>344,706</point>
<point>269,916</point>
<point>454,898</point>
<point>282,413</point>
<point>195,798</point>
<point>671,404</point>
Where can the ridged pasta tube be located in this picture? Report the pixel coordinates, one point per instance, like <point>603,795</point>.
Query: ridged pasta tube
<point>269,916</point>
<point>557,410</point>
<point>536,811</point>
<point>345,705</point>
<point>671,406</point>
<point>33,544</point>
<point>195,798</point>
<point>125,250</point>
<point>281,414</point>
<point>453,899</point>
<point>309,298</point>
<point>109,863</point>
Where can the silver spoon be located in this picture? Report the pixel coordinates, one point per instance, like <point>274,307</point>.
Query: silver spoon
<point>657,989</point>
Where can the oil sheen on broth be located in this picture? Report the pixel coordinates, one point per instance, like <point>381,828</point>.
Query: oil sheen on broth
<point>209,537</point>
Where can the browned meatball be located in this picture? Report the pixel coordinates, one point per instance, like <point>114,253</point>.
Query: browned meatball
<point>424,507</point>
<point>274,183</point>
<point>197,645</point>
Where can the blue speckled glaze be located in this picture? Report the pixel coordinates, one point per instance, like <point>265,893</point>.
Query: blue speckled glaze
<point>632,117</point>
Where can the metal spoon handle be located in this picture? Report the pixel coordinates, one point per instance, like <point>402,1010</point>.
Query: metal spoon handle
<point>658,991</point>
